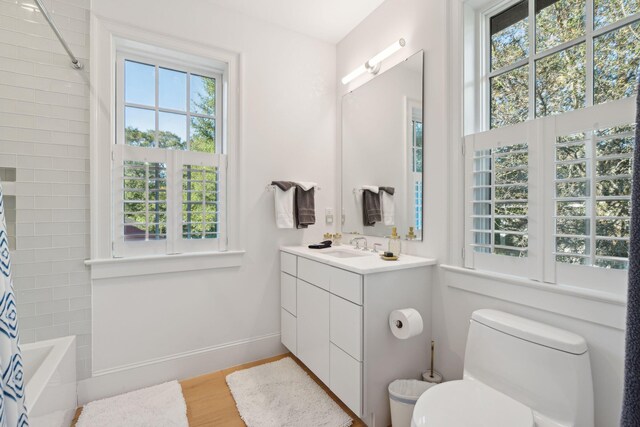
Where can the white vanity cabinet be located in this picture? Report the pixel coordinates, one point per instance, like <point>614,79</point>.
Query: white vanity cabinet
<point>336,322</point>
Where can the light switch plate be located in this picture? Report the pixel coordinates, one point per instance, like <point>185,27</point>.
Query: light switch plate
<point>328,215</point>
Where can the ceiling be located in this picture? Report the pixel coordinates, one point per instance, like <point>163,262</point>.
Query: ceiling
<point>327,20</point>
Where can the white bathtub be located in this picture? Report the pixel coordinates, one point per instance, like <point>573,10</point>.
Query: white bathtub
<point>50,377</point>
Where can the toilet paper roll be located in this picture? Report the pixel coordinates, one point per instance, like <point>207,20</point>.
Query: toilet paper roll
<point>405,323</point>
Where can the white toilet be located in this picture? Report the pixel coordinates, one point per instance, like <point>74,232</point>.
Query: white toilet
<point>517,372</point>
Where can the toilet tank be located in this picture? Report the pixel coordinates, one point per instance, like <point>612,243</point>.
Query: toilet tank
<point>541,366</point>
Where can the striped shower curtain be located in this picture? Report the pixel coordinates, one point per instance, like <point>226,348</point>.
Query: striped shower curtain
<point>13,412</point>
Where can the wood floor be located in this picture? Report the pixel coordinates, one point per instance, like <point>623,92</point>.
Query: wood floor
<point>209,400</point>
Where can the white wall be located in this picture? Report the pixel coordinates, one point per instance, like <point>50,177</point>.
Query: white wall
<point>287,131</point>
<point>44,126</point>
<point>436,27</point>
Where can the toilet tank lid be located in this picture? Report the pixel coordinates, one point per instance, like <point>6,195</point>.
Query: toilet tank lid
<point>531,331</point>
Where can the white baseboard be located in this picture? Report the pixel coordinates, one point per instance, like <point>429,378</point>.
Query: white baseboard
<point>181,366</point>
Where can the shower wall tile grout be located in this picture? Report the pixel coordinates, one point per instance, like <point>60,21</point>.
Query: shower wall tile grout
<point>44,134</point>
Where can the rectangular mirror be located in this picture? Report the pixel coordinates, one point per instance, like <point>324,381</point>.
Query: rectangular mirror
<point>382,153</point>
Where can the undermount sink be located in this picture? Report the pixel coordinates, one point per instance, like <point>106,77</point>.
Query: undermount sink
<point>346,254</point>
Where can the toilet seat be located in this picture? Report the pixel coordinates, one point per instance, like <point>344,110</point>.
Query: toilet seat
<point>468,403</point>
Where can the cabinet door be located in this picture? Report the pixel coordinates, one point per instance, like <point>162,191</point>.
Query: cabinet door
<point>346,326</point>
<point>288,293</point>
<point>346,379</point>
<point>313,329</point>
<point>288,333</point>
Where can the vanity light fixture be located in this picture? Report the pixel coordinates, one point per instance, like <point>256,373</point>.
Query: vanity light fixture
<point>373,65</point>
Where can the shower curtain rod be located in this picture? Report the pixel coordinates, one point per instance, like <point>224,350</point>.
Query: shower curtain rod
<point>75,63</point>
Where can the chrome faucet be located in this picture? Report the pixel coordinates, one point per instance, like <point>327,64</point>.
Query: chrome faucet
<point>356,240</point>
<point>375,247</point>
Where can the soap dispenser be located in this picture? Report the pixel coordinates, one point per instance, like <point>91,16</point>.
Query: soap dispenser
<point>411,235</point>
<point>394,242</point>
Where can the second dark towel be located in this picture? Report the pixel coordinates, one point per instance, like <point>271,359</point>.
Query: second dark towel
<point>371,212</point>
<point>305,207</point>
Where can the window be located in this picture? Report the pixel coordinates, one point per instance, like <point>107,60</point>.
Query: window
<point>547,57</point>
<point>417,164</point>
<point>169,162</point>
<point>549,199</point>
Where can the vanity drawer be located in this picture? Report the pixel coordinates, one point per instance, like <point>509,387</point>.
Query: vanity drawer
<point>346,326</point>
<point>346,379</point>
<point>346,284</point>
<point>288,331</point>
<point>316,273</point>
<point>288,293</point>
<point>340,282</point>
<point>288,263</point>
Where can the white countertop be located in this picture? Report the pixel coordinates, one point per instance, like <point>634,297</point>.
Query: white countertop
<point>367,264</point>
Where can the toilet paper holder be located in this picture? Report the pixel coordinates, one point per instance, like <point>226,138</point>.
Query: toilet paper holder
<point>398,323</point>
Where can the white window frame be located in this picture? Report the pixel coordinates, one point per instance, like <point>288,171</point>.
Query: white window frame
<point>175,160</point>
<point>472,73</point>
<point>107,38</point>
<point>161,62</point>
<point>484,33</point>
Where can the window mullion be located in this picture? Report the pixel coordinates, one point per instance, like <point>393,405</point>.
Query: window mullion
<point>219,122</point>
<point>622,22</point>
<point>589,53</point>
<point>174,200</point>
<point>559,48</point>
<point>532,57</point>
<point>188,111</point>
<point>492,177</point>
<point>508,68</point>
<point>157,114</point>
<point>146,200</point>
<point>591,169</point>
<point>204,202</point>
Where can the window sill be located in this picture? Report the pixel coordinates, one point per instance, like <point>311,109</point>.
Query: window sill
<point>604,308</point>
<point>161,264</point>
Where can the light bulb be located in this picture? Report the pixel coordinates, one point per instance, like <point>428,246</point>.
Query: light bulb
<point>371,65</point>
<point>355,73</point>
<point>387,53</point>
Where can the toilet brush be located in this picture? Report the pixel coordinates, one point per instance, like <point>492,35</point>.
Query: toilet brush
<point>431,375</point>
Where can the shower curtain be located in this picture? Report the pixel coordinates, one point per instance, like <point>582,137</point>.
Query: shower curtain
<point>631,401</point>
<point>13,412</point>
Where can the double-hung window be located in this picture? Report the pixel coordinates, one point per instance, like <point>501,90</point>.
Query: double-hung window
<point>547,57</point>
<point>416,154</point>
<point>169,162</point>
<point>548,184</point>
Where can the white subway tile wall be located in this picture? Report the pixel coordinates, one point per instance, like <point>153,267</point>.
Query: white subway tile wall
<point>44,134</point>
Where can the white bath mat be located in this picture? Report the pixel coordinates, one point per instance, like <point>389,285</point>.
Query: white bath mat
<point>282,394</point>
<point>158,406</point>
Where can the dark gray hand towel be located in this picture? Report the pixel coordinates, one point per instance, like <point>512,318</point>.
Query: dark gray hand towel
<point>388,190</point>
<point>305,207</point>
<point>371,212</point>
